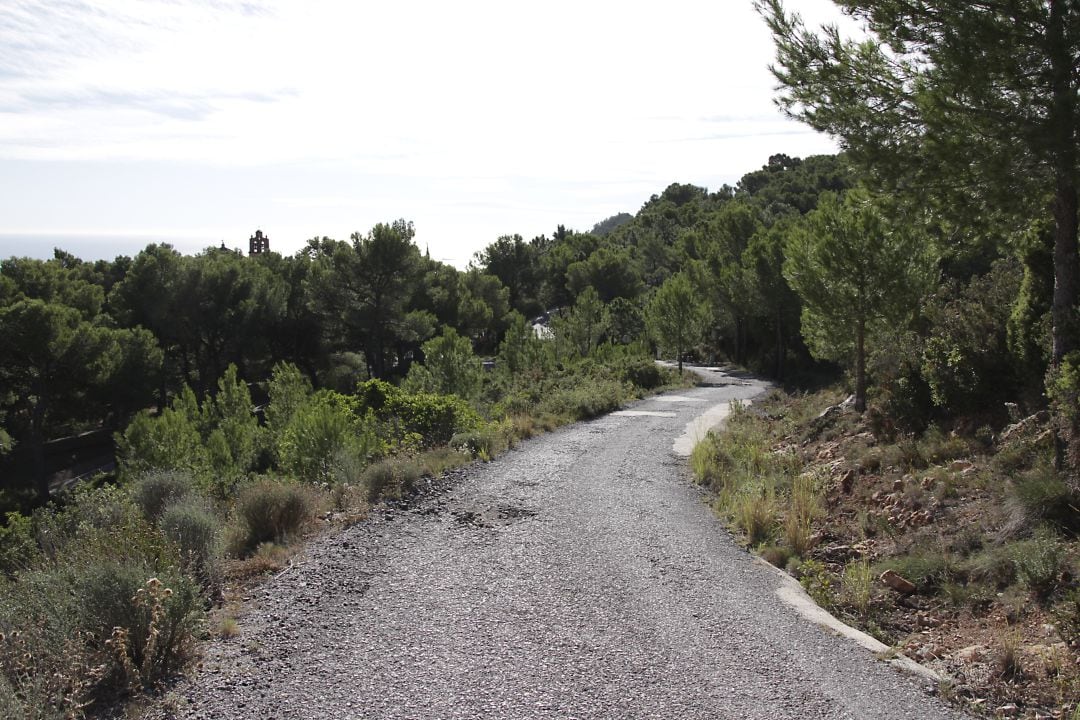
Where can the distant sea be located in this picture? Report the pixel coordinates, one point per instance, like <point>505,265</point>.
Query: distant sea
<point>94,247</point>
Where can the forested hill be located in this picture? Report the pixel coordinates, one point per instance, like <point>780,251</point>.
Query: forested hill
<point>86,345</point>
<point>795,265</point>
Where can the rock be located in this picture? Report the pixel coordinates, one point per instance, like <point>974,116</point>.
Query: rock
<point>1046,437</point>
<point>898,485</point>
<point>846,481</point>
<point>1009,710</point>
<point>893,580</point>
<point>970,654</point>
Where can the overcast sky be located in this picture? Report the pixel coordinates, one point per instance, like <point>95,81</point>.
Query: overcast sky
<point>197,121</point>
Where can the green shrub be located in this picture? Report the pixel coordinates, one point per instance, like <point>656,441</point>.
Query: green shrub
<point>451,365</point>
<point>91,512</point>
<point>776,555</point>
<point>755,515</point>
<point>322,429</point>
<point>927,568</point>
<point>150,624</point>
<point>271,511</point>
<point>993,565</point>
<point>391,478</point>
<point>485,442</point>
<point>153,490</point>
<point>193,527</point>
<point>46,663</point>
<point>289,391</point>
<point>857,584</point>
<point>818,582</point>
<point>1039,562</point>
<point>1044,495</point>
<point>18,549</point>
<point>642,373</point>
<point>169,441</point>
<point>434,418</point>
<point>86,623</point>
<point>966,361</point>
<point>935,447</point>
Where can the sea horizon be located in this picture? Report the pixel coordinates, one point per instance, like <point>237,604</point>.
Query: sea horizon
<point>99,246</point>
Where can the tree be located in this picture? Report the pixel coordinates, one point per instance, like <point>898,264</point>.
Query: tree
<point>51,360</point>
<point>362,289</point>
<point>587,322</point>
<point>517,265</point>
<point>450,367</point>
<point>612,271</point>
<point>852,270</point>
<point>675,316</point>
<point>971,107</point>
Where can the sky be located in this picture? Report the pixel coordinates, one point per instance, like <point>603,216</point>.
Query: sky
<point>195,122</point>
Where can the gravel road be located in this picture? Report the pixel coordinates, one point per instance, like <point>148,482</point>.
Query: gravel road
<point>578,576</point>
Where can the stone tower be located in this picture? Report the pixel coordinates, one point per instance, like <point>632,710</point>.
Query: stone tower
<point>258,243</point>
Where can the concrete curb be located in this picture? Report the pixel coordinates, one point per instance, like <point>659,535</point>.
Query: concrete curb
<point>793,595</point>
<point>790,592</point>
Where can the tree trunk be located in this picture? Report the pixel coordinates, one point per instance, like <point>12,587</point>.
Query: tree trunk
<point>860,366</point>
<point>36,437</point>
<point>779,368</point>
<point>1063,122</point>
<point>1064,311</point>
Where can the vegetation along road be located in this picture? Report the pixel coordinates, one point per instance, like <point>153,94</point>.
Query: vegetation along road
<point>578,576</point>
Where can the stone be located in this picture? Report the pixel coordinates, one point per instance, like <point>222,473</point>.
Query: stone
<point>893,580</point>
<point>970,654</point>
<point>846,481</point>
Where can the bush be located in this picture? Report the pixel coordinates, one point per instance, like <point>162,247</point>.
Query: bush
<point>150,623</point>
<point>857,584</point>
<point>927,569</point>
<point>193,527</point>
<point>391,478</point>
<point>485,442</point>
<point>451,366</point>
<point>776,555</point>
<point>582,401</point>
<point>994,566</point>
<point>1044,495</point>
<point>818,582</point>
<point>111,612</point>
<point>642,373</point>
<point>168,441</point>
<point>153,490</point>
<point>18,549</point>
<point>322,429</point>
<point>966,361</point>
<point>755,515</point>
<point>271,511</point>
<point>1039,562</point>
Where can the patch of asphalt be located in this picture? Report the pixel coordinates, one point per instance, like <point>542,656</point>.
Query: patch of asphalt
<point>579,576</point>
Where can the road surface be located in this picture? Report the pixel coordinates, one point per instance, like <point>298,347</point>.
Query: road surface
<point>578,576</point>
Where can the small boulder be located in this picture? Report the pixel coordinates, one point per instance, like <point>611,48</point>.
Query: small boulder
<point>893,580</point>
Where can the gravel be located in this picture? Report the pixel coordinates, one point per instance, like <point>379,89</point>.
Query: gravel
<point>578,576</point>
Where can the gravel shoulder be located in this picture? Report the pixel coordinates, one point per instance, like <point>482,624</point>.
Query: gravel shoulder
<point>578,576</point>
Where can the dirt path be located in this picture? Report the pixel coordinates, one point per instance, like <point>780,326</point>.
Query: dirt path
<point>579,576</point>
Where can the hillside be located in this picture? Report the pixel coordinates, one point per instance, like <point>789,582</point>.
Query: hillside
<point>958,550</point>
